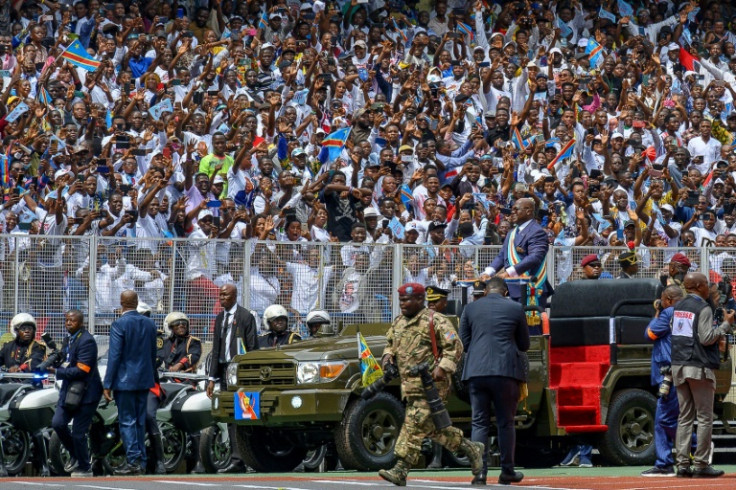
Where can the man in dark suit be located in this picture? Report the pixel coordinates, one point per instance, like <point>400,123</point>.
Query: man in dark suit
<point>79,363</point>
<point>131,361</point>
<point>524,255</point>
<point>235,333</point>
<point>495,336</point>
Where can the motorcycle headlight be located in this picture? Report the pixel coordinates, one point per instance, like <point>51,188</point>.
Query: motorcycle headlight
<point>319,372</point>
<point>231,374</point>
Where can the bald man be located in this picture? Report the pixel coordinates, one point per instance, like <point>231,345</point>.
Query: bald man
<point>130,365</point>
<point>695,357</point>
<point>235,333</point>
<point>524,256</point>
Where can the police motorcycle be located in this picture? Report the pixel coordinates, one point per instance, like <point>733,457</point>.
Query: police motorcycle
<point>106,446</point>
<point>185,409</point>
<point>27,403</point>
<point>183,414</point>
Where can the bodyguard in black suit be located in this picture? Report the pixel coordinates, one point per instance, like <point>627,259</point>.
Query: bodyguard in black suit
<point>79,363</point>
<point>495,335</point>
<point>233,325</point>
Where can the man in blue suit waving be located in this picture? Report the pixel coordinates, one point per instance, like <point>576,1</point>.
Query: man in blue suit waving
<point>130,365</point>
<point>523,256</point>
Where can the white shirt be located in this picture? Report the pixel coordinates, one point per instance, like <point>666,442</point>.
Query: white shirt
<point>229,326</point>
<point>711,151</point>
<point>263,290</point>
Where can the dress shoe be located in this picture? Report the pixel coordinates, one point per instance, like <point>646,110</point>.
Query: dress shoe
<point>479,480</point>
<point>234,468</point>
<point>82,474</point>
<point>684,472</point>
<point>199,469</point>
<point>707,472</point>
<point>71,465</point>
<point>129,470</point>
<point>508,478</point>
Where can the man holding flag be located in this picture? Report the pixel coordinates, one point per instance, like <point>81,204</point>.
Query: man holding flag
<point>421,335</point>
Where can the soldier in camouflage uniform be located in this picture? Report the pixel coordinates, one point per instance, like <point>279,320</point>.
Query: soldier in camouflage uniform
<point>409,344</point>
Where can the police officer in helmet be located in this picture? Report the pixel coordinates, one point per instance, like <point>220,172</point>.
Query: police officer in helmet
<point>276,321</point>
<point>24,354</point>
<point>315,320</point>
<point>181,352</point>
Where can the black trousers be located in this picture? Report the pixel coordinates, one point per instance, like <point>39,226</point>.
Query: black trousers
<point>503,393</point>
<point>234,451</point>
<point>152,405</point>
<point>75,441</point>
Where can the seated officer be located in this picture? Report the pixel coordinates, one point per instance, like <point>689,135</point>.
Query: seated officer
<point>23,353</point>
<point>276,323</point>
<point>437,298</point>
<point>629,263</point>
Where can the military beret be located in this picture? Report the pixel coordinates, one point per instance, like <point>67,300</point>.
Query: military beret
<point>412,289</point>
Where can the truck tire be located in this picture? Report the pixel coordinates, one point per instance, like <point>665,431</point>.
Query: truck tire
<point>369,429</point>
<point>268,451</point>
<point>214,449</point>
<point>629,440</point>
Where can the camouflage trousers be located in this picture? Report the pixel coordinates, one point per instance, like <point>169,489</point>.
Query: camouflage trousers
<point>418,425</point>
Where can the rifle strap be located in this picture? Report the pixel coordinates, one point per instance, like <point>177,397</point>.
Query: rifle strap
<point>432,336</point>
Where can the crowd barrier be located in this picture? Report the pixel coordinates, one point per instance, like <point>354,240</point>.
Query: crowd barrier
<point>46,275</point>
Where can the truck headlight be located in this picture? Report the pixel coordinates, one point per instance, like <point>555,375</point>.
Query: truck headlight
<point>319,372</point>
<point>231,374</point>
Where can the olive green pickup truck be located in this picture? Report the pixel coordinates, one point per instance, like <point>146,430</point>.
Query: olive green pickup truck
<point>589,377</point>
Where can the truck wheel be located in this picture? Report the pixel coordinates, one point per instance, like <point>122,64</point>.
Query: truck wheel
<point>214,449</point>
<point>629,440</point>
<point>268,451</point>
<point>366,436</point>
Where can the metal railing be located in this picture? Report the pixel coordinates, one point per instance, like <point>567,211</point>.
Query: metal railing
<point>46,275</point>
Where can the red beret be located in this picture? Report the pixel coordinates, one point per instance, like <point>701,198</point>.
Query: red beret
<point>412,289</point>
<point>680,258</point>
<point>588,259</point>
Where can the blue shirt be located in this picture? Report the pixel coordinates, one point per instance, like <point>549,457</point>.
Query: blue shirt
<point>659,332</point>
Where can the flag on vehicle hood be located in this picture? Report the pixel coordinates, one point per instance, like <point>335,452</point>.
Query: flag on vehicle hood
<point>370,370</point>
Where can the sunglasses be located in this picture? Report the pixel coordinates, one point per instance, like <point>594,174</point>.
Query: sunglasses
<point>594,265</point>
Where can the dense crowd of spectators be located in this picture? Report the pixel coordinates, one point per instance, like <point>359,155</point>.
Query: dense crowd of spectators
<point>199,120</point>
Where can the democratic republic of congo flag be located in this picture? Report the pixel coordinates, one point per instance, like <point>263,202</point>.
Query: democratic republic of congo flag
<point>77,55</point>
<point>369,368</point>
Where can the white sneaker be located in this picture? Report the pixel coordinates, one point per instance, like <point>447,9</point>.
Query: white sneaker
<point>82,474</point>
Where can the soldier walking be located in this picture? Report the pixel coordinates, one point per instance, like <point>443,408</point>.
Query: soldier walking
<point>421,335</point>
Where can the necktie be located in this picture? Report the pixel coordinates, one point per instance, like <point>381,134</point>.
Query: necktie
<point>225,343</point>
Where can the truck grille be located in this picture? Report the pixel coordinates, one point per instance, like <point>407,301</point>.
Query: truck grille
<point>267,374</point>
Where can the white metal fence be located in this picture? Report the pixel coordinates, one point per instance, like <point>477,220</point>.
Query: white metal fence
<point>46,275</point>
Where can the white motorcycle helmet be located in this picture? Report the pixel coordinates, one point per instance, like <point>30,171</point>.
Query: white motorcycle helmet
<point>174,317</point>
<point>271,313</point>
<point>21,319</point>
<point>319,317</point>
<point>144,309</point>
